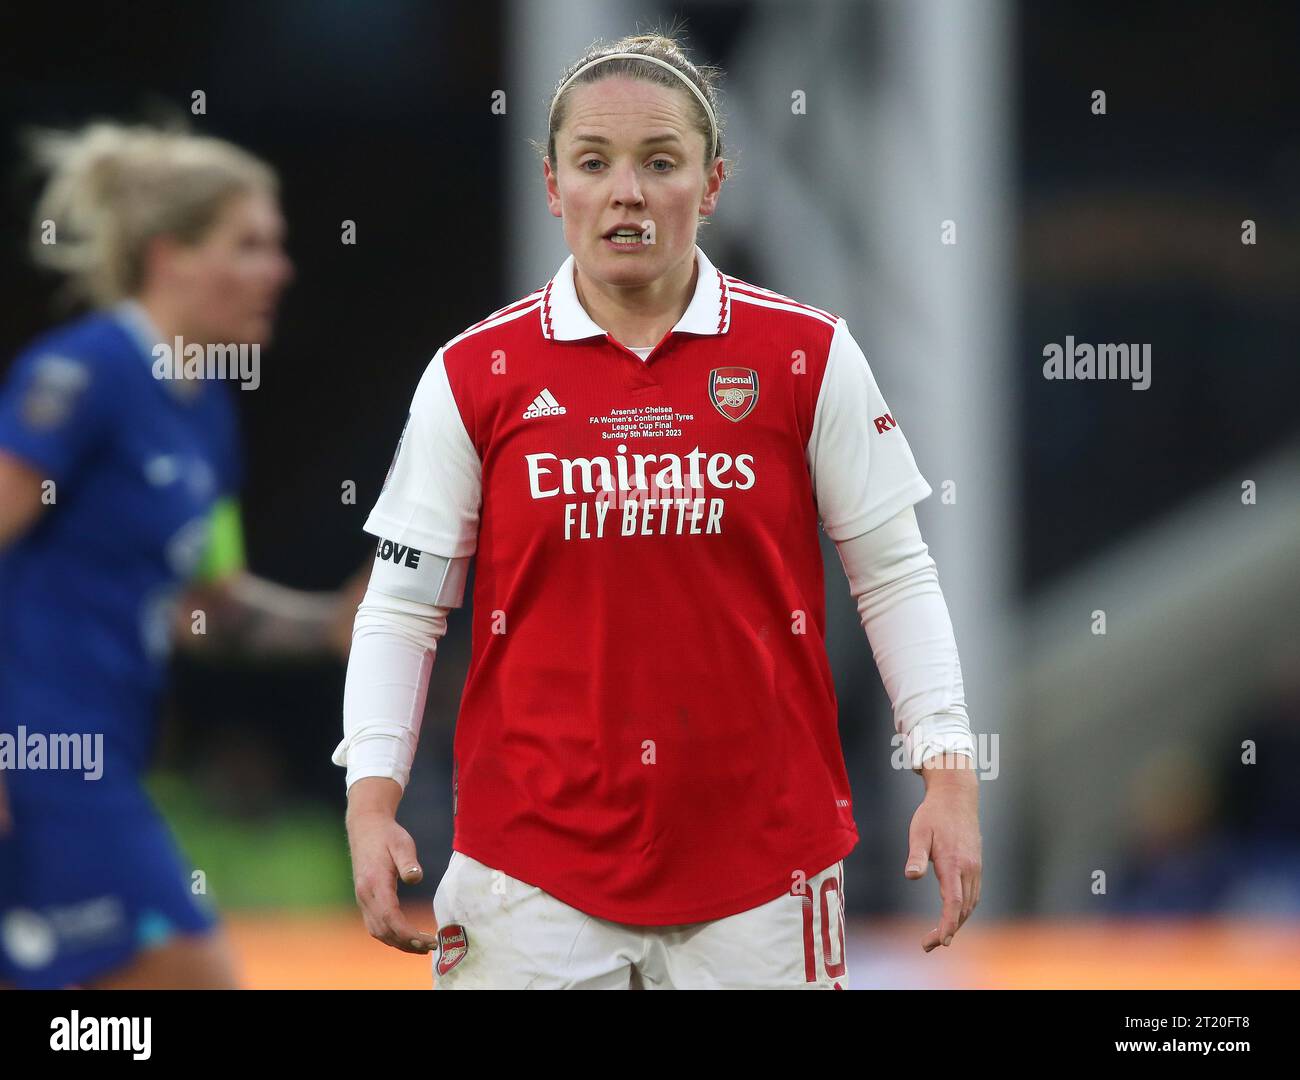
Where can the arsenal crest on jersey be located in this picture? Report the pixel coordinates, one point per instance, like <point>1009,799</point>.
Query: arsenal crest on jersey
<point>733,391</point>
<point>453,944</point>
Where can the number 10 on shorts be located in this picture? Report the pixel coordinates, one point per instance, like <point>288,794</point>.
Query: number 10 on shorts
<point>827,899</point>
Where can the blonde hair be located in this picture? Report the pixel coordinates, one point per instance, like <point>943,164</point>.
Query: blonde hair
<point>661,46</point>
<point>112,188</point>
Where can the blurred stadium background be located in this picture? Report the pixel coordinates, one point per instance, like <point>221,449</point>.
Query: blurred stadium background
<point>1119,753</point>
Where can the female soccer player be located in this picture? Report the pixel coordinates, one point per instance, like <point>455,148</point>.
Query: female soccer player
<point>117,490</point>
<point>649,789</point>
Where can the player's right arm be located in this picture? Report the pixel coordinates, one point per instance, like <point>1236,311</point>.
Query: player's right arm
<point>20,497</point>
<point>20,506</point>
<point>426,520</point>
<point>394,641</point>
<point>52,413</point>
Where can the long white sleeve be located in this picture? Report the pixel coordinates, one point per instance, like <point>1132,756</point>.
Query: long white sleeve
<point>394,642</point>
<point>894,580</point>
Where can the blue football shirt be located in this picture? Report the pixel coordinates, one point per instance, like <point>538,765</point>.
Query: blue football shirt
<point>133,466</point>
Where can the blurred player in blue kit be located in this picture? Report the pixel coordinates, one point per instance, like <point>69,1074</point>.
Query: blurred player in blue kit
<point>119,520</point>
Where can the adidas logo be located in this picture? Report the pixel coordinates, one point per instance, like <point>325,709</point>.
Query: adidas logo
<point>544,404</point>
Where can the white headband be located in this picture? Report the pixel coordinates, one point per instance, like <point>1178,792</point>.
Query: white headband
<point>708,109</point>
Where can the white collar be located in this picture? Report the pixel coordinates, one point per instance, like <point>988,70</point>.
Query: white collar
<point>565,319</point>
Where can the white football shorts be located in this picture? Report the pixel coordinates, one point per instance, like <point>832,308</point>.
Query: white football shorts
<point>496,932</point>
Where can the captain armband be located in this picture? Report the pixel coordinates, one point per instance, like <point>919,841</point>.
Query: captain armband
<point>411,574</point>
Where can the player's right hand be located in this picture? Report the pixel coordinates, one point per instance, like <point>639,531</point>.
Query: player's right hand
<point>382,853</point>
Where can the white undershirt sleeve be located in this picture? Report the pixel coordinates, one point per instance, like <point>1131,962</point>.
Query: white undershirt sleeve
<point>426,518</point>
<point>394,642</point>
<point>893,578</point>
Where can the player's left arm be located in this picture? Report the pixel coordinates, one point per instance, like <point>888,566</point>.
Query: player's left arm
<point>229,610</point>
<point>894,581</point>
<point>865,482</point>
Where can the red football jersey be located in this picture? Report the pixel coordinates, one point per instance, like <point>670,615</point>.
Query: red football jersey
<point>648,730</point>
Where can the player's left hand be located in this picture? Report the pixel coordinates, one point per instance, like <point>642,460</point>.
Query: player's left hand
<point>945,830</point>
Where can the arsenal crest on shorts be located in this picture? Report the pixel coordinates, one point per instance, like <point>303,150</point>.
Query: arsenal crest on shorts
<point>733,391</point>
<point>453,944</point>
